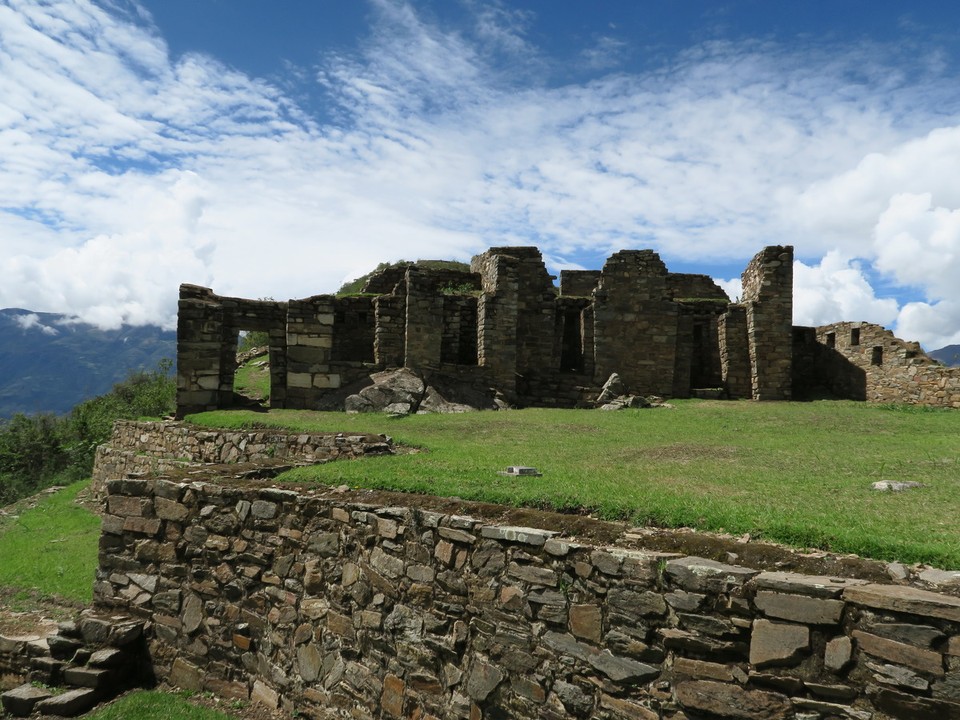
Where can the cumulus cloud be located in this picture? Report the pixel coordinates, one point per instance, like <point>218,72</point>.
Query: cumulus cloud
<point>127,171</point>
<point>836,289</point>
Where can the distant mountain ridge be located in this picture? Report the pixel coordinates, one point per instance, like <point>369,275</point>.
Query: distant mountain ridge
<point>949,355</point>
<point>49,363</point>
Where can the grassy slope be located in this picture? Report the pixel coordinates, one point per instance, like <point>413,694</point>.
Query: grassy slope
<point>152,705</point>
<point>793,472</point>
<point>51,548</point>
<point>252,380</point>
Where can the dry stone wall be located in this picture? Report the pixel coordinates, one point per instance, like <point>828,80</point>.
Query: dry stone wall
<point>319,603</point>
<point>863,361</point>
<point>138,448</point>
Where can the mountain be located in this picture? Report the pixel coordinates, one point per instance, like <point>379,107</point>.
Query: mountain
<point>49,363</point>
<point>949,355</point>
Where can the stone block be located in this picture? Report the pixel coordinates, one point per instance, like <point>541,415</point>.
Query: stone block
<point>70,703</point>
<point>926,661</point>
<point>775,643</point>
<point>822,586</point>
<point>391,699</point>
<point>837,653</point>
<point>905,599</point>
<point>799,608</point>
<point>265,695</point>
<point>696,574</point>
<point>20,701</point>
<point>586,622</point>
<point>731,701</point>
<point>521,535</point>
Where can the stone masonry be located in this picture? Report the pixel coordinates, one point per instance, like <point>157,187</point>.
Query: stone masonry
<point>321,604</point>
<point>505,325</point>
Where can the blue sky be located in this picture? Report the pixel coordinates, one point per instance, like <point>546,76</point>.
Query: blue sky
<point>279,148</point>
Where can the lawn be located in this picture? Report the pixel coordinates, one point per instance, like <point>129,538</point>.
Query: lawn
<point>798,473</point>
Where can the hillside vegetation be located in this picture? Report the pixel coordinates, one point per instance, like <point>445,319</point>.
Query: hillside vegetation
<point>798,473</point>
<point>37,451</point>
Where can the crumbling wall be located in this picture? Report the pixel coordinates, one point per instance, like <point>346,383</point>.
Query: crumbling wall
<point>768,300</point>
<point>208,326</point>
<point>635,325</point>
<point>863,361</point>
<point>138,448</point>
<point>320,603</point>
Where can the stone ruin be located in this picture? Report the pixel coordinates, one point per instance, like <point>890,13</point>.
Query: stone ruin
<point>503,334</point>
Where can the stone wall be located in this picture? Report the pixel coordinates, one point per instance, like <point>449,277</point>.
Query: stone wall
<point>326,604</point>
<point>140,448</point>
<point>862,361</point>
<point>768,299</point>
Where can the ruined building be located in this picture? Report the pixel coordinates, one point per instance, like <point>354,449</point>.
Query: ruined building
<point>504,326</point>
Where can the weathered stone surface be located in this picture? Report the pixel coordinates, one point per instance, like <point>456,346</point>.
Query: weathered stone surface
<point>898,676</point>
<point>97,678</point>
<point>732,701</point>
<point>774,643</point>
<point>644,604</point>
<point>533,575</point>
<point>70,703</point>
<point>392,698</point>
<point>903,705</point>
<point>585,622</point>
<point>922,636</point>
<point>21,700</point>
<point>695,574</point>
<point>577,702</point>
<point>837,653</point>
<point>265,695</point>
<point>310,662</point>
<point>522,535</point>
<point>702,670</point>
<point>926,661</point>
<point>799,608</point>
<point>628,710</point>
<point>192,613</point>
<point>622,670</point>
<point>185,675</point>
<point>905,599</point>
<point>823,586</point>
<point>482,679</point>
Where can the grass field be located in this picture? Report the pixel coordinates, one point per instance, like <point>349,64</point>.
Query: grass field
<point>798,473</point>
<point>52,548</point>
<point>153,705</point>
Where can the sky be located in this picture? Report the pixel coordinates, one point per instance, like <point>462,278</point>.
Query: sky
<point>279,149</point>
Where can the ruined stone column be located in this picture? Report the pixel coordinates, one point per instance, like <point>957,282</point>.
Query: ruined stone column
<point>768,300</point>
<point>200,330</point>
<point>424,327</point>
<point>497,319</point>
<point>309,344</point>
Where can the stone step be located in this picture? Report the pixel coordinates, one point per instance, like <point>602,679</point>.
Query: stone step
<point>70,703</point>
<point>20,701</point>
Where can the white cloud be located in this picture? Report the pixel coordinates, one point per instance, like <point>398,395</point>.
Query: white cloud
<point>31,321</point>
<point>127,172</point>
<point>837,289</point>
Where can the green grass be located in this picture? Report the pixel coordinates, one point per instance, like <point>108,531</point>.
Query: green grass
<point>52,548</point>
<point>153,705</point>
<point>798,473</point>
<point>253,381</point>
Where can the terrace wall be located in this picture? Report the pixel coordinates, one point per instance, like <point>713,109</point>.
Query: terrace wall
<point>320,603</point>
